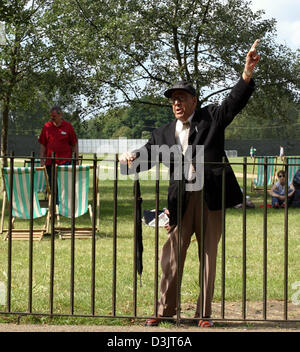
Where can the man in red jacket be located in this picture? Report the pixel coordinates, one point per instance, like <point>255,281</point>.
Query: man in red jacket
<point>193,128</point>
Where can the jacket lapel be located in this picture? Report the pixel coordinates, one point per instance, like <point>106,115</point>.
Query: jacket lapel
<point>198,130</point>
<point>170,136</point>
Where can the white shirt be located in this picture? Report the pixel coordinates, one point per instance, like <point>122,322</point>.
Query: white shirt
<point>179,132</point>
<point>281,188</point>
<point>281,152</point>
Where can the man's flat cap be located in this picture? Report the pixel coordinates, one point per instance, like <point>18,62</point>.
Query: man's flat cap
<point>181,85</point>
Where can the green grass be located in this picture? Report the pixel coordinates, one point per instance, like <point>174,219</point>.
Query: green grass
<point>124,269</point>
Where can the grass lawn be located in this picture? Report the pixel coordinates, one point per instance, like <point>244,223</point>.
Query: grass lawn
<point>124,268</point>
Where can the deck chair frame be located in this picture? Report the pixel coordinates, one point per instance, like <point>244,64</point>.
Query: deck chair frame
<point>24,234</point>
<point>79,232</point>
<point>257,182</point>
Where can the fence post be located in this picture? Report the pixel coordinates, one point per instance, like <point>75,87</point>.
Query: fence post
<point>286,168</point>
<point>265,243</point>
<point>11,165</point>
<point>114,285</point>
<point>202,262</point>
<point>31,233</point>
<point>52,212</point>
<point>244,237</point>
<point>94,213</point>
<point>223,237</point>
<point>179,226</point>
<point>157,165</point>
<point>72,283</point>
<point>135,244</point>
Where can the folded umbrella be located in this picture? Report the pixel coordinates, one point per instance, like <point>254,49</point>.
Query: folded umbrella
<point>138,227</point>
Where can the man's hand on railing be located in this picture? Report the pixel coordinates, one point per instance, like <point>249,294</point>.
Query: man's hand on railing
<point>167,226</point>
<point>127,158</point>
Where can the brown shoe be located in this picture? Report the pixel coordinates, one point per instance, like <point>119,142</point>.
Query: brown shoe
<point>153,321</point>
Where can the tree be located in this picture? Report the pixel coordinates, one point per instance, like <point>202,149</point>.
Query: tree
<point>123,131</point>
<point>278,126</point>
<point>139,47</point>
<point>133,121</point>
<point>90,56</point>
<point>23,56</point>
<point>144,118</point>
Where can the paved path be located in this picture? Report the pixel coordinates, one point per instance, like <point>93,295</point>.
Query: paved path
<point>139,328</point>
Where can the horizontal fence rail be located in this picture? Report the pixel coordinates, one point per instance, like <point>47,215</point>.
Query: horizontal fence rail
<point>111,196</point>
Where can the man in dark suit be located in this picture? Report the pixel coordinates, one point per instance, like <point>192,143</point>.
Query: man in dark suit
<point>192,128</point>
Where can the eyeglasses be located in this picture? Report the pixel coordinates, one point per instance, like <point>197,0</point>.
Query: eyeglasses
<point>180,99</point>
<point>279,176</point>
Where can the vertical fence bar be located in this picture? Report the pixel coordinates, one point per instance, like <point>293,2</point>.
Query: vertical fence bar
<point>72,281</point>
<point>223,239</point>
<point>31,233</point>
<point>202,263</point>
<point>94,212</point>
<point>244,238</point>
<point>286,242</point>
<point>179,225</point>
<point>9,254</point>
<point>52,212</point>
<point>135,245</point>
<point>114,284</point>
<point>157,170</point>
<point>265,242</point>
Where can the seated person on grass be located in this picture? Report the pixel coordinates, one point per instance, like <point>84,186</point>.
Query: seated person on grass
<point>277,191</point>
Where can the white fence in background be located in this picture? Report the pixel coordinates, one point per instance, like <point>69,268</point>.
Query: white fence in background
<point>121,145</point>
<point>109,146</point>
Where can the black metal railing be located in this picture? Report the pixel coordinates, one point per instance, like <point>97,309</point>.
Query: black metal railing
<point>114,210</point>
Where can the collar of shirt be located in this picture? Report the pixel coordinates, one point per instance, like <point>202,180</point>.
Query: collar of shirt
<point>179,132</point>
<point>179,123</point>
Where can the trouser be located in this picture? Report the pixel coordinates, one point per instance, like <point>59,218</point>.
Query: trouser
<point>191,223</point>
<point>276,200</point>
<point>49,173</point>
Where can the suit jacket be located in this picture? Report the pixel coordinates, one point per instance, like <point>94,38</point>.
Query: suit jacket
<point>207,129</point>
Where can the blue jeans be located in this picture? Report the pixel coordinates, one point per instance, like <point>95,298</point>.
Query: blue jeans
<point>277,200</point>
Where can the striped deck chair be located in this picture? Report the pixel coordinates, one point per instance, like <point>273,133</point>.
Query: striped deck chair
<point>293,165</point>
<point>64,207</point>
<point>41,182</point>
<point>21,200</point>
<point>258,172</point>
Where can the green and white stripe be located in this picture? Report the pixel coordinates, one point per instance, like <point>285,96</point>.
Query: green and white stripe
<point>41,181</point>
<point>21,192</point>
<point>259,180</point>
<point>64,184</point>
<point>293,166</point>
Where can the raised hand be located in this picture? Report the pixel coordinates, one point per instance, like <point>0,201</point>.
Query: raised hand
<point>252,59</point>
